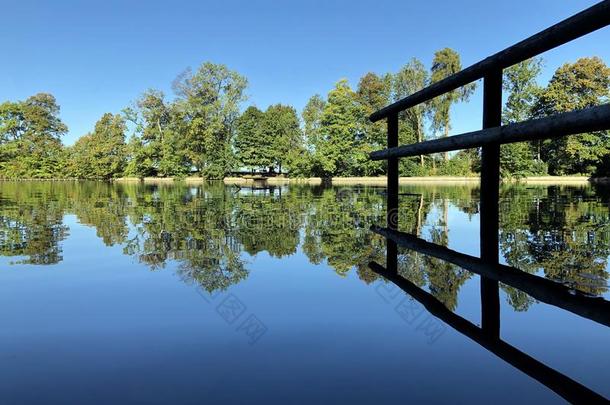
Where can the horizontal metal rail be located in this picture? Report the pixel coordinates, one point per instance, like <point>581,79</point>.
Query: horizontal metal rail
<point>583,23</point>
<point>561,384</point>
<point>542,289</point>
<point>490,138</point>
<point>569,123</point>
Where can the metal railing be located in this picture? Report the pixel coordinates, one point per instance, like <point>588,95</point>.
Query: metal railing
<point>489,139</point>
<point>493,133</point>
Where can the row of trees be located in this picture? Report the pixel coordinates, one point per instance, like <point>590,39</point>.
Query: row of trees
<point>202,129</point>
<point>574,86</point>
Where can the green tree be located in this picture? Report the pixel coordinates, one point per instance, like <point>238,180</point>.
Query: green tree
<point>100,154</point>
<point>340,132</point>
<point>373,93</point>
<point>446,62</point>
<point>208,104</point>
<point>312,120</point>
<point>79,164</point>
<point>139,162</point>
<point>251,148</point>
<point>281,128</point>
<point>30,138</point>
<point>312,130</point>
<point>519,82</point>
<point>173,160</point>
<point>411,78</point>
<point>159,151</point>
<point>574,86</point>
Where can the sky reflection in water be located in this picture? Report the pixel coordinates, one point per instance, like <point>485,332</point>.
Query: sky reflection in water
<point>192,293</point>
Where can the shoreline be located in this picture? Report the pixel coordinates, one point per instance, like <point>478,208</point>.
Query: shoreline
<point>373,181</point>
<point>315,181</point>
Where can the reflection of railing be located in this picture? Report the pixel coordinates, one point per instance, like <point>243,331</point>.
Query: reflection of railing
<point>542,289</point>
<point>489,139</point>
<point>493,134</point>
<point>559,383</point>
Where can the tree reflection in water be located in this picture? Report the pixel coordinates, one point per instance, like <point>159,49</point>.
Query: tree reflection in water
<point>560,232</point>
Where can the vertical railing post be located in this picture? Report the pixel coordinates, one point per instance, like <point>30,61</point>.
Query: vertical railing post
<point>490,193</point>
<point>392,191</point>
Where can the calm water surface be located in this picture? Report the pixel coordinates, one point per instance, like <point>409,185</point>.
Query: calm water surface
<point>195,294</point>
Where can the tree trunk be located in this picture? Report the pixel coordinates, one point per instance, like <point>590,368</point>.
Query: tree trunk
<point>446,220</point>
<point>419,216</point>
<point>420,138</point>
<point>446,154</point>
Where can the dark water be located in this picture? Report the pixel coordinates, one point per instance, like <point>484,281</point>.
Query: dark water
<point>199,294</point>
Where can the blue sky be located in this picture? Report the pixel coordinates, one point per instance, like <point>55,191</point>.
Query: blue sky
<point>98,56</point>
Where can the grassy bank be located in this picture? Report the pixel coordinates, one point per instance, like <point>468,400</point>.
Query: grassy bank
<point>381,181</point>
<point>373,181</point>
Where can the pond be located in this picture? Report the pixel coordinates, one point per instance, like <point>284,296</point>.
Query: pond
<point>178,293</point>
